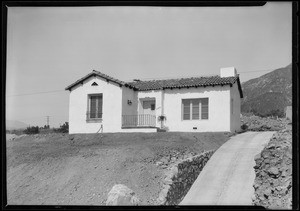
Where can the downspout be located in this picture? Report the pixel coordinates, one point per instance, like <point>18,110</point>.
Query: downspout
<point>162,104</point>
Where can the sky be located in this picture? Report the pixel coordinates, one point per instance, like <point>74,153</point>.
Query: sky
<point>48,48</point>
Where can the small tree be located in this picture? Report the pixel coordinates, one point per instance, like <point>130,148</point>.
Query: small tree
<point>64,128</point>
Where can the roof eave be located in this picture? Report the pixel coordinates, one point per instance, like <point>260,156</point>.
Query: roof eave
<point>94,73</point>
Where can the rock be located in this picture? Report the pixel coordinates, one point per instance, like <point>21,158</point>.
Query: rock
<point>164,160</point>
<point>265,154</point>
<point>173,159</point>
<point>121,195</point>
<point>273,170</point>
<point>267,192</point>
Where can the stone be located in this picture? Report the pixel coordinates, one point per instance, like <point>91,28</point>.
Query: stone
<point>164,160</point>
<point>121,195</point>
<point>174,170</point>
<point>273,170</point>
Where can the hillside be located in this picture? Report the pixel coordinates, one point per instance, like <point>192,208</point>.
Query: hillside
<point>15,125</point>
<point>272,91</point>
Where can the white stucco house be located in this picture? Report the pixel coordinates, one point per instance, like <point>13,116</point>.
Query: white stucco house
<point>102,103</point>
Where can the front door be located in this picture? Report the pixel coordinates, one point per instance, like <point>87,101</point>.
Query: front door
<point>149,107</point>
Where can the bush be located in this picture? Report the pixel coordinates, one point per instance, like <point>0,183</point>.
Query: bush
<point>63,128</point>
<point>244,127</point>
<point>32,130</point>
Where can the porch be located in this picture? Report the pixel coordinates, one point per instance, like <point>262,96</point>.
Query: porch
<point>139,121</point>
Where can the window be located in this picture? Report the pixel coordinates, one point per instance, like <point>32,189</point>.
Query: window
<point>195,109</point>
<point>152,107</point>
<point>95,107</point>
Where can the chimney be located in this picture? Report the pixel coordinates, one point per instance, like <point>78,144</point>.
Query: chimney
<point>228,72</point>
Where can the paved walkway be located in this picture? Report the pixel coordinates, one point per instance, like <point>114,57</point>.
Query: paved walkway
<point>228,177</point>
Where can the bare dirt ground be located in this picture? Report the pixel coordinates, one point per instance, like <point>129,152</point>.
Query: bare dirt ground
<point>62,169</point>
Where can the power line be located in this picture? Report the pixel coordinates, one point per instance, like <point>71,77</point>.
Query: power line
<point>196,75</point>
<point>35,93</point>
<point>255,71</point>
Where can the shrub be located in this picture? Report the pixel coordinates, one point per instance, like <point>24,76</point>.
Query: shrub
<point>63,128</point>
<point>244,127</point>
<point>32,130</point>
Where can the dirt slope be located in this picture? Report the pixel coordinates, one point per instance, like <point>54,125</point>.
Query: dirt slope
<point>81,169</point>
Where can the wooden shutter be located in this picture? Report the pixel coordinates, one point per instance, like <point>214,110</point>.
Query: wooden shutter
<point>204,108</point>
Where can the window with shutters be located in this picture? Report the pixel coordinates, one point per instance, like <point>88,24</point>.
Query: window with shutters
<point>195,109</point>
<point>94,107</point>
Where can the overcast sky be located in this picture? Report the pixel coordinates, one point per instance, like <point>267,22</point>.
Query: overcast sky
<point>48,48</point>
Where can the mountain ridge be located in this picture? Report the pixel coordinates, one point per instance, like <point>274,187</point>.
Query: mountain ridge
<point>268,93</point>
<point>15,125</point>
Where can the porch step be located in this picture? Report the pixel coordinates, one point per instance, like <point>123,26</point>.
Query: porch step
<point>161,130</point>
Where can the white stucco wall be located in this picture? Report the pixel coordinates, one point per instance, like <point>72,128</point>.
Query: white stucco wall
<point>157,94</point>
<point>219,109</point>
<point>112,106</point>
<point>129,94</point>
<point>236,112</point>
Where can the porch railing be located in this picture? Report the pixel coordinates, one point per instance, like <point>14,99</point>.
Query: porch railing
<point>139,120</point>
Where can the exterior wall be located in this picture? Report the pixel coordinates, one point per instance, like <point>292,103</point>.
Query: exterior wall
<point>112,106</point>
<point>236,109</point>
<point>157,94</point>
<point>218,109</point>
<point>129,94</point>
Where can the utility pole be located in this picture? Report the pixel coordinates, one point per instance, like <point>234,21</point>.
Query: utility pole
<point>48,121</point>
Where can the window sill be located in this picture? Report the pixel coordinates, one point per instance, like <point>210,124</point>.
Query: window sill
<point>94,120</point>
<point>193,120</point>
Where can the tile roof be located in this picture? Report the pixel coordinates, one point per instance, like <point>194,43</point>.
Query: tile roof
<point>183,82</point>
<point>95,73</point>
<point>167,83</point>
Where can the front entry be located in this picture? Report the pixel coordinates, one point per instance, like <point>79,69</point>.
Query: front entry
<point>149,107</point>
<point>146,116</point>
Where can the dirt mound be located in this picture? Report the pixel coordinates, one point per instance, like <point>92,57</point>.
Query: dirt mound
<point>62,169</point>
<point>256,123</point>
<point>273,182</point>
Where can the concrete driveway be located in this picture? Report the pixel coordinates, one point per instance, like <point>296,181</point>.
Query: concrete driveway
<point>228,177</point>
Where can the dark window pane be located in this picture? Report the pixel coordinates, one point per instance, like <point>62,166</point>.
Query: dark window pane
<point>93,107</point>
<point>204,108</point>
<point>186,109</point>
<point>152,107</point>
<point>195,109</point>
